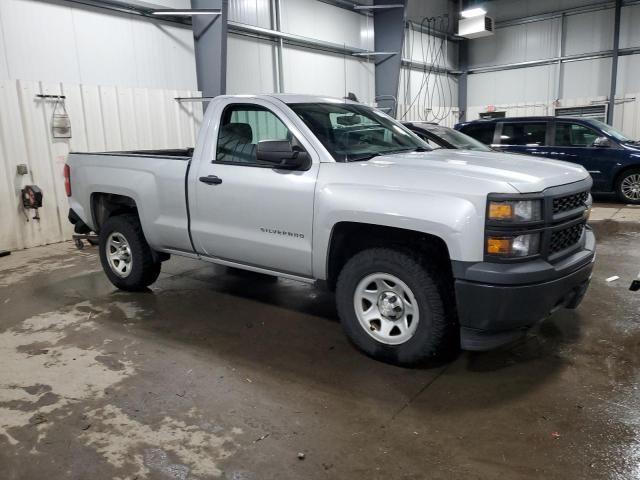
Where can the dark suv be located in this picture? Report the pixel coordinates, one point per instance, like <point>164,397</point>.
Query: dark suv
<point>612,159</point>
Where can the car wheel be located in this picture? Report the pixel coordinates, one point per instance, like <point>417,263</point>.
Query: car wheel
<point>628,187</point>
<point>125,254</point>
<point>393,309</point>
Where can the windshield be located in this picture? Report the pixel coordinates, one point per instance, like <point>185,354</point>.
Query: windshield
<point>354,132</point>
<point>458,139</point>
<point>610,131</point>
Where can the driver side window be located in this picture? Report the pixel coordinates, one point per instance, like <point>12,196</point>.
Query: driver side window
<point>241,128</point>
<point>574,135</point>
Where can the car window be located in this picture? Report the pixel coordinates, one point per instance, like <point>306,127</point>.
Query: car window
<point>574,135</point>
<point>523,133</point>
<point>352,132</point>
<point>481,132</point>
<point>242,127</point>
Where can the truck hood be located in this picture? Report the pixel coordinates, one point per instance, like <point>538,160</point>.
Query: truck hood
<point>525,173</point>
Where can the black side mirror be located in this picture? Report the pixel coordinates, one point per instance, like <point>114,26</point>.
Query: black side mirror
<point>601,142</point>
<point>281,154</point>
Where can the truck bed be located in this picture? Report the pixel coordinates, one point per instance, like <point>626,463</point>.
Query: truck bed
<point>171,153</point>
<point>154,179</point>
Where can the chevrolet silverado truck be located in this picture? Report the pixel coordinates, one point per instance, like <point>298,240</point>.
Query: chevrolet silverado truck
<point>427,250</point>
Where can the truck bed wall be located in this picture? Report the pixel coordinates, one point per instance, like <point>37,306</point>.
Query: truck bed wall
<point>156,184</point>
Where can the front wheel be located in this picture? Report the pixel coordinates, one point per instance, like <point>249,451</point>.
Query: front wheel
<point>628,187</point>
<point>125,254</point>
<point>394,308</point>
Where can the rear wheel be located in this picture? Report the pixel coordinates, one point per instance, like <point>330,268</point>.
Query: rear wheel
<point>628,187</point>
<point>392,307</point>
<point>125,254</point>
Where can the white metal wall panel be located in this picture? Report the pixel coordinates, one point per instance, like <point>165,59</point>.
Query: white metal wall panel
<point>628,74</point>
<point>101,118</point>
<point>252,12</point>
<point>4,68</point>
<point>432,99</point>
<point>314,19</point>
<point>508,9</point>
<point>311,72</point>
<point>38,37</point>
<point>531,41</point>
<point>627,115</point>
<point>534,84</point>
<point>629,31</point>
<point>57,42</point>
<point>422,47</point>
<point>589,32</point>
<point>589,78</point>
<point>250,65</point>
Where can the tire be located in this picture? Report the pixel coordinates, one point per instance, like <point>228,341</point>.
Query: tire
<point>436,330</point>
<point>628,186</point>
<point>139,269</point>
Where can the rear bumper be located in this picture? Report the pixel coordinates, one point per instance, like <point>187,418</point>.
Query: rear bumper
<point>492,313</point>
<point>76,221</point>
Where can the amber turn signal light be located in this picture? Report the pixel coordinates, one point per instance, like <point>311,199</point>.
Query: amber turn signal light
<point>500,211</point>
<point>499,246</point>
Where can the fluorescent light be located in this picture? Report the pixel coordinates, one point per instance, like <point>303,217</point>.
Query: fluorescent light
<point>473,12</point>
<point>188,13</point>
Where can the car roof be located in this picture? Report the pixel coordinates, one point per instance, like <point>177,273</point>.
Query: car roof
<point>424,125</point>
<point>290,98</point>
<point>539,118</point>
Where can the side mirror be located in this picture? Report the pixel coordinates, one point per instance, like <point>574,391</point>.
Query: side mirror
<point>601,142</point>
<point>281,154</point>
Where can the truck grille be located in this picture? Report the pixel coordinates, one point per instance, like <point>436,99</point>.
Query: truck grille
<point>566,238</point>
<point>569,202</point>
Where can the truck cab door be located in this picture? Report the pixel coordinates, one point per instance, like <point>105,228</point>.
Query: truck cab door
<point>246,212</point>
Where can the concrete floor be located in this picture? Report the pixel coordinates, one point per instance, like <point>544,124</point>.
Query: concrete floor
<point>218,375</point>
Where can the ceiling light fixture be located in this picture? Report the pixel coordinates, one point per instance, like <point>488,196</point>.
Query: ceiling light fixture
<point>473,12</point>
<point>188,13</point>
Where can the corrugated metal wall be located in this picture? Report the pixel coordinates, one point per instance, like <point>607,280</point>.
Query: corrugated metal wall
<point>58,42</point>
<point>102,118</point>
<point>251,62</point>
<point>536,90</point>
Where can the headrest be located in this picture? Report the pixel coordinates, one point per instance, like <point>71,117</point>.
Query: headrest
<point>238,131</point>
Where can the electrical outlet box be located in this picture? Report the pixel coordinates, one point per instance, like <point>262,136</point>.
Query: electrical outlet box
<point>22,169</point>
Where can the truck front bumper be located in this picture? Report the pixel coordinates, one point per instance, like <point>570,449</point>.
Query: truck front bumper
<point>514,297</point>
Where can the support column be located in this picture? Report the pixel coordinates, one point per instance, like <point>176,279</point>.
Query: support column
<point>614,62</point>
<point>210,40</point>
<point>463,63</point>
<point>388,26</point>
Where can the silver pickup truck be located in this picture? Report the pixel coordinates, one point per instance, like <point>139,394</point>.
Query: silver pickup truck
<point>428,251</point>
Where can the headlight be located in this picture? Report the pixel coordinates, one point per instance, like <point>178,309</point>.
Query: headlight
<point>515,210</point>
<point>520,246</point>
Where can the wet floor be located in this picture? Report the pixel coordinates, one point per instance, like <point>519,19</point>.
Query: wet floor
<point>212,374</point>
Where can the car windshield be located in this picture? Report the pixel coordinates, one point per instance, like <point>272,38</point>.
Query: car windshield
<point>353,132</point>
<point>458,139</point>
<point>610,131</point>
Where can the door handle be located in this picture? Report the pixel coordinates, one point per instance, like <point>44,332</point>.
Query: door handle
<point>211,180</point>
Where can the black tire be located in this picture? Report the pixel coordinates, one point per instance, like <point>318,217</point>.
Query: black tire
<point>144,270</point>
<point>619,186</point>
<point>436,332</point>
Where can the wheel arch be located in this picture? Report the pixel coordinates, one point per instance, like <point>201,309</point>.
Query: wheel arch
<point>105,205</point>
<point>349,238</point>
